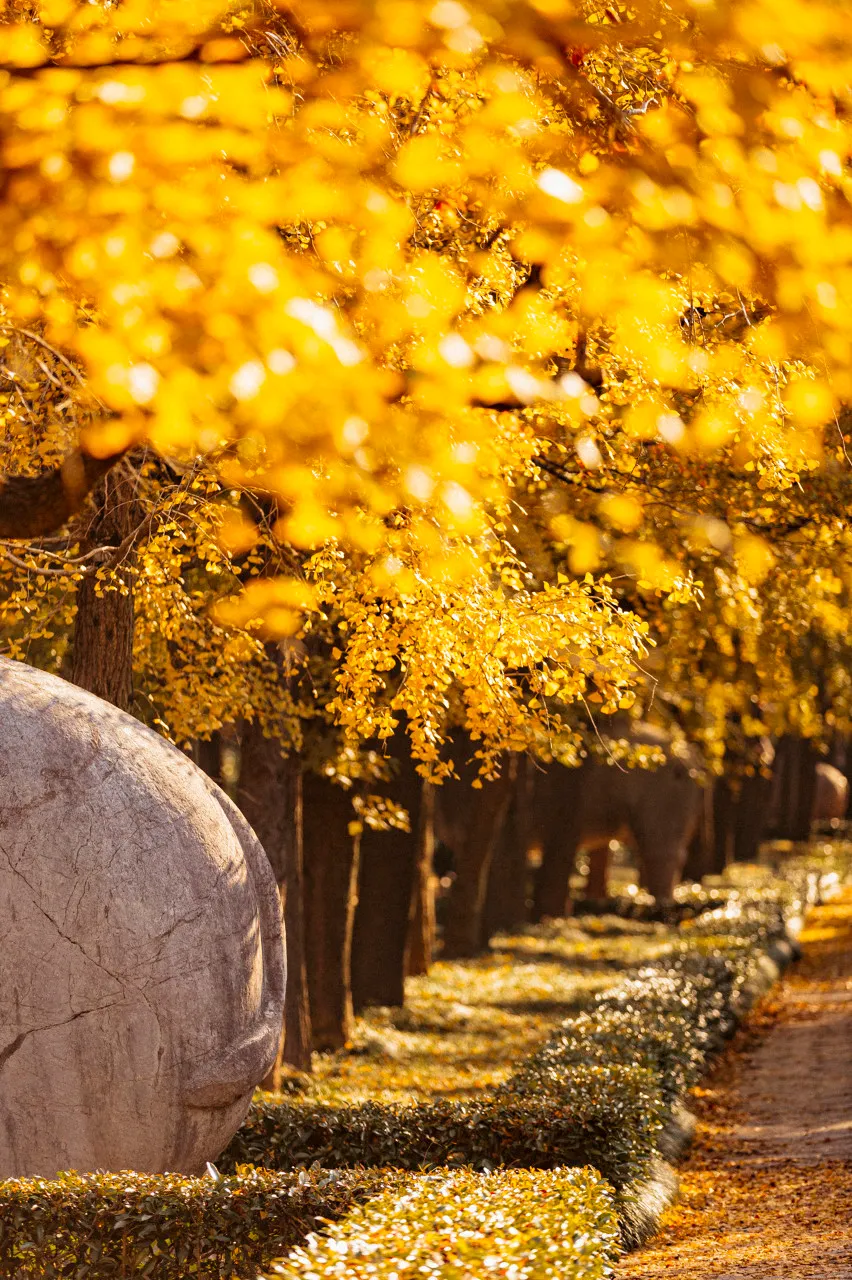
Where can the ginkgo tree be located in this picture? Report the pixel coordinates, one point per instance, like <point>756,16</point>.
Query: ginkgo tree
<point>322,244</point>
<point>431,284</point>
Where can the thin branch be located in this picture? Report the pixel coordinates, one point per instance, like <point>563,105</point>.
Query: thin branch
<point>47,570</point>
<point>51,377</point>
<point>196,54</point>
<point>34,550</point>
<point>42,342</point>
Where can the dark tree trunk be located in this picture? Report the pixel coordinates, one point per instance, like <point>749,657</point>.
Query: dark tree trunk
<point>724,809</point>
<point>841,758</point>
<point>102,644</point>
<point>270,796</point>
<point>556,809</point>
<point>32,506</point>
<point>207,754</point>
<point>740,816</point>
<point>506,896</point>
<point>750,819</point>
<point>331,896</point>
<point>701,858</point>
<point>389,861</point>
<point>421,922</point>
<point>794,786</point>
<point>597,881</point>
<point>385,886</point>
<point>484,811</point>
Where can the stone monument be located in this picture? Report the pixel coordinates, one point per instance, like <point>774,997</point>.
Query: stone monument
<point>141,959</point>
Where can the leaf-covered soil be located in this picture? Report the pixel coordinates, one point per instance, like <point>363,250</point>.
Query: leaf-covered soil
<point>767,1188</point>
<point>468,1023</point>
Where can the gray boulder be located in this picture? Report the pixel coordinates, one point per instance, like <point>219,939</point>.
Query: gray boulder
<point>141,959</point>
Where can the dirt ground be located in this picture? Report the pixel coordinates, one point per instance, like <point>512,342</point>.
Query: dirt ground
<point>767,1188</point>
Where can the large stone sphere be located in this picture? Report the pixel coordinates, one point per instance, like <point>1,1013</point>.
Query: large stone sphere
<point>141,958</point>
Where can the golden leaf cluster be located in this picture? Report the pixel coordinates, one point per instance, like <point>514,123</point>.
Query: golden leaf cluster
<point>482,297</point>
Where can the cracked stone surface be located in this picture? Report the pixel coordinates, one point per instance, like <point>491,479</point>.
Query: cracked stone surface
<point>141,959</point>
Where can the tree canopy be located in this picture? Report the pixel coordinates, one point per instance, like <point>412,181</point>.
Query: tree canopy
<point>478,347</point>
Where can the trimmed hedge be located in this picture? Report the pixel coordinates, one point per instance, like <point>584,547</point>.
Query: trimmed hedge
<point>163,1226</point>
<point>610,1037</point>
<point>608,1117</point>
<point>668,1021</point>
<point>672,1016</point>
<point>641,1205</point>
<point>557,1225</point>
<point>602,1091</point>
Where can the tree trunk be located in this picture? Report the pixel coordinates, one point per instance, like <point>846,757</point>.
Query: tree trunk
<point>270,796</point>
<point>555,812</point>
<point>421,922</point>
<point>485,811</point>
<point>331,895</point>
<point>506,895</point>
<point>597,881</point>
<point>207,754</point>
<point>724,809</point>
<point>794,786</point>
<point>102,644</point>
<point>740,812</point>
<point>751,817</point>
<point>389,861</point>
<point>32,506</point>
<point>701,852</point>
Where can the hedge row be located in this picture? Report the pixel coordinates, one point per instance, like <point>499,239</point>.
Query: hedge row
<point>598,1093</point>
<point>162,1226</point>
<point>669,1020</point>
<point>557,1225</point>
<point>607,1116</point>
<point>605,1091</point>
<point>612,1038</point>
<point>671,1017</point>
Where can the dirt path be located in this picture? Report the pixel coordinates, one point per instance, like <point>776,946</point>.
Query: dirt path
<point>767,1188</point>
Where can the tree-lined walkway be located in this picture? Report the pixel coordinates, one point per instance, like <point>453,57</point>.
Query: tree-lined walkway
<point>767,1189</point>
